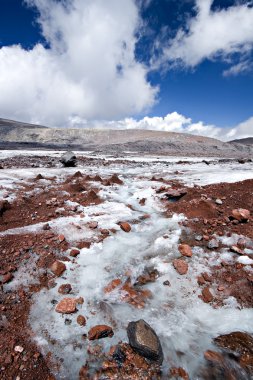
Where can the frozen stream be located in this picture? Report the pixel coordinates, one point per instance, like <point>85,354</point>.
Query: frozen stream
<point>184,323</point>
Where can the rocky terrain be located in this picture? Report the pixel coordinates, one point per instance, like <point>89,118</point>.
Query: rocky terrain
<point>114,268</point>
<point>16,135</point>
<point>245,141</point>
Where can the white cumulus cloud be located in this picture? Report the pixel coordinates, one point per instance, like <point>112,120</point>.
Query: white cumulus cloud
<point>213,34</point>
<point>88,70</point>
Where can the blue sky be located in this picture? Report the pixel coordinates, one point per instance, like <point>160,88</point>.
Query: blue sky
<point>157,72</point>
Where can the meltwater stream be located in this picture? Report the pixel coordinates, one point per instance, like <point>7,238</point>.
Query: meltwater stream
<point>183,322</point>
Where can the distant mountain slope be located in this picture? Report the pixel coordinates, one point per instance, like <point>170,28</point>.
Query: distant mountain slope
<point>245,141</point>
<point>15,135</point>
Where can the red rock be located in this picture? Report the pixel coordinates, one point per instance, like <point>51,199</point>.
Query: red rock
<point>207,295</point>
<point>236,249</point>
<point>115,179</point>
<point>74,252</point>
<point>92,225</point>
<point>185,250</point>
<point>61,238</point>
<point>81,320</point>
<point>66,306</point>
<point>201,280</point>
<point>99,332</point>
<point>179,373</point>
<point>181,266</point>
<point>80,300</point>
<point>112,285</point>
<point>65,289</point>
<point>221,288</point>
<point>213,356</point>
<point>7,278</point>
<point>125,226</point>
<point>241,214</point>
<point>206,277</point>
<point>58,268</point>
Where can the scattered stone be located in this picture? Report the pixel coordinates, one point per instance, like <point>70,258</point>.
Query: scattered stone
<point>61,238</point>
<point>74,252</point>
<point>19,349</point>
<point>80,300</point>
<point>221,288</point>
<point>143,339</point>
<point>166,283</point>
<point>39,176</point>
<point>66,306</point>
<point>241,214</point>
<point>179,373</point>
<point>181,266</point>
<point>81,320</point>
<point>58,267</point>
<point>213,244</point>
<point>218,201</point>
<point>68,159</point>
<point>125,226</point>
<point>115,179</point>
<point>149,275</point>
<point>112,285</point>
<point>198,237</point>
<point>4,206</point>
<point>185,250</point>
<point>207,295</point>
<point>92,225</point>
<point>236,249</point>
<point>201,280</point>
<point>65,289</point>
<point>8,277</point>
<point>67,322</point>
<point>99,332</point>
<point>174,195</point>
<point>46,227</point>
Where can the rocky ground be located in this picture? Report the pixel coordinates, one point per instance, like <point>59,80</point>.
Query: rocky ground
<point>118,269</point>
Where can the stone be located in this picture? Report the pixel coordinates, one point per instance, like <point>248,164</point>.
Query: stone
<point>112,285</point>
<point>207,295</point>
<point>239,342</point>
<point>61,238</point>
<point>81,320</point>
<point>99,332</point>
<point>92,225</point>
<point>241,214</point>
<point>213,244</point>
<point>8,277</point>
<point>179,373</point>
<point>58,268</point>
<point>198,237</point>
<point>175,194</point>
<point>65,289</point>
<point>115,179</point>
<point>236,249</point>
<point>66,306</point>
<point>201,280</point>
<point>19,349</point>
<point>4,206</point>
<point>218,201</point>
<point>74,252</point>
<point>68,159</point>
<point>166,283</point>
<point>125,226</point>
<point>185,250</point>
<point>143,339</point>
<point>181,266</point>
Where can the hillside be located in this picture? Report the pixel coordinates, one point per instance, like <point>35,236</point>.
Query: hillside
<point>245,141</point>
<point>17,135</point>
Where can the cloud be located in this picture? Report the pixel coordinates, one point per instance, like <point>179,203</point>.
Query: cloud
<point>212,34</point>
<point>88,68</point>
<point>173,122</point>
<point>242,130</point>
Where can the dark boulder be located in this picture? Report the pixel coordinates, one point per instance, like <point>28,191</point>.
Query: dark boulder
<point>143,339</point>
<point>68,159</point>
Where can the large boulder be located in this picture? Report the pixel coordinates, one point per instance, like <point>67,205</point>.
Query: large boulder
<point>68,159</point>
<point>143,339</point>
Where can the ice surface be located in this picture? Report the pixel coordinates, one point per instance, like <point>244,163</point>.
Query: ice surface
<point>182,320</point>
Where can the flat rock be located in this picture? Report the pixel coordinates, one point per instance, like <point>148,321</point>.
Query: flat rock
<point>143,339</point>
<point>125,226</point>
<point>99,332</point>
<point>239,342</point>
<point>66,306</point>
<point>185,250</point>
<point>64,289</point>
<point>58,267</point>
<point>207,295</point>
<point>181,266</point>
<point>241,214</point>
